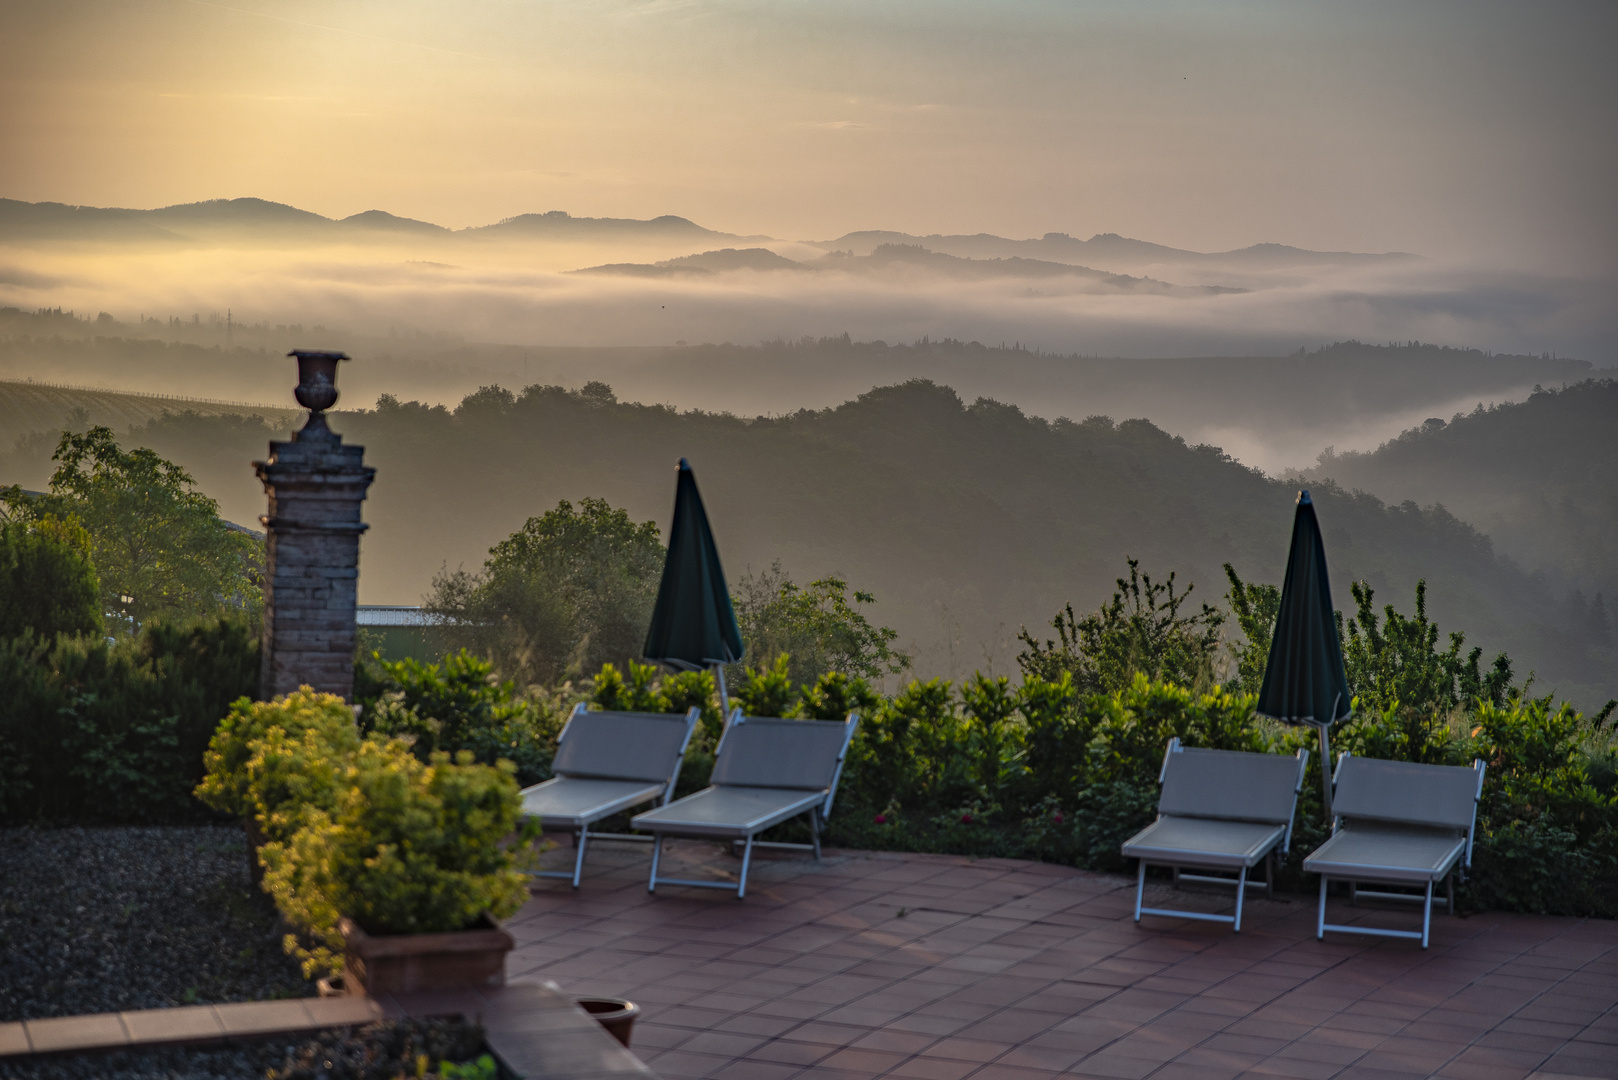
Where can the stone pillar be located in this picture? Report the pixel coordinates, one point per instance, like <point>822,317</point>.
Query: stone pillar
<point>315,486</point>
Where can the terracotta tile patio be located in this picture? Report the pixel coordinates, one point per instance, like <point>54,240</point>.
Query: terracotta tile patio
<point>941,968</point>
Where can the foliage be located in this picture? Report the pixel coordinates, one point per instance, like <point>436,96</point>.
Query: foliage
<point>818,626</point>
<point>408,848</point>
<point>159,546</point>
<point>1548,837</point>
<point>1254,607</point>
<point>270,759</point>
<point>459,704</point>
<point>568,591</point>
<point>48,583</point>
<point>1399,663</point>
<point>1140,631</point>
<point>767,690</point>
<point>116,731</point>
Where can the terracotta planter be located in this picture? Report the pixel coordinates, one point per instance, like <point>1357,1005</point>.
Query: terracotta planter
<point>393,963</point>
<point>615,1014</point>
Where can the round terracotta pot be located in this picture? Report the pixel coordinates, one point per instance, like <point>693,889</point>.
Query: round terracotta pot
<point>615,1014</point>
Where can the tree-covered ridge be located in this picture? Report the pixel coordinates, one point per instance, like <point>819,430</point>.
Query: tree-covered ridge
<point>967,519</point>
<point>1539,476</point>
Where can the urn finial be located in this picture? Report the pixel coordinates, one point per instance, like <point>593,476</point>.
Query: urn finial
<point>317,388</point>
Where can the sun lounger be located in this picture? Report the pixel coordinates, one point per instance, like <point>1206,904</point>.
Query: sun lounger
<point>1397,823</point>
<point>766,771</point>
<point>1220,810</point>
<point>606,763</point>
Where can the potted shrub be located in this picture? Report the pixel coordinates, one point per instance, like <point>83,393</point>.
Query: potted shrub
<point>269,760</point>
<point>402,882</point>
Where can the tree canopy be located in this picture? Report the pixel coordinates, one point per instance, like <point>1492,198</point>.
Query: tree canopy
<point>570,590</point>
<point>48,583</point>
<point>158,546</point>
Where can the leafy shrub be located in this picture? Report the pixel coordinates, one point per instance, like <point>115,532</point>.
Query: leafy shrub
<point>116,732</point>
<point>408,848</point>
<point>271,760</point>
<point>458,705</point>
<point>48,584</point>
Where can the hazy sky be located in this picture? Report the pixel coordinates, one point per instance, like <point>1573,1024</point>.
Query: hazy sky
<point>1460,130</point>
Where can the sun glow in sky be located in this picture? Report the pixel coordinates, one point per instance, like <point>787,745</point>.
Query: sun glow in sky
<point>1463,130</point>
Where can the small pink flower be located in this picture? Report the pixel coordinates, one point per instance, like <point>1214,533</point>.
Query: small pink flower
<point>882,819</point>
<point>1057,817</point>
<point>966,818</point>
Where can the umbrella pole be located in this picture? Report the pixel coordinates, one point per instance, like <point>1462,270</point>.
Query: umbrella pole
<point>724,698</point>
<point>1325,772</point>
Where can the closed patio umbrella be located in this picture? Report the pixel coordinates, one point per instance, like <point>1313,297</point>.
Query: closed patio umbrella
<point>1304,680</point>
<point>693,624</point>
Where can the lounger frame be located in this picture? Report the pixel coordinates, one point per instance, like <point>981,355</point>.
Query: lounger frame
<point>1456,835</point>
<point>788,803</point>
<point>619,794</point>
<point>1263,847</point>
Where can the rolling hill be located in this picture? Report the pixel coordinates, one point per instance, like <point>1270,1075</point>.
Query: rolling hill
<point>968,520</point>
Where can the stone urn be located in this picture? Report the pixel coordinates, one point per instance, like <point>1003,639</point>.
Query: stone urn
<point>375,964</point>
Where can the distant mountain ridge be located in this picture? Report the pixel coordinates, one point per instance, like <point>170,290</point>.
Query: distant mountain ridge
<point>1102,248</point>
<point>886,257</point>
<point>185,222</point>
<point>191,221</point>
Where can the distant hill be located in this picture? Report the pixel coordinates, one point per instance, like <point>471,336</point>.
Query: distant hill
<point>707,262</point>
<point>891,257</point>
<point>559,224</point>
<point>1539,476</point>
<point>1104,250</point>
<point>248,217</point>
<point>967,520</point>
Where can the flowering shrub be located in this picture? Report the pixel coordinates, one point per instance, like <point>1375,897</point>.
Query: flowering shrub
<point>408,848</point>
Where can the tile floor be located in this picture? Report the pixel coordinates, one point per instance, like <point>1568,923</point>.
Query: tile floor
<point>942,968</point>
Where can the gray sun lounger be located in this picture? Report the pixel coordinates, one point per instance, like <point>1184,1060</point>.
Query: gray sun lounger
<point>606,763</point>
<point>1397,823</point>
<point>1222,810</point>
<point>766,771</point>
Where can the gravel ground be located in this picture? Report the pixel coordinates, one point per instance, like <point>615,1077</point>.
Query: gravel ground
<point>381,1051</point>
<point>97,920</point>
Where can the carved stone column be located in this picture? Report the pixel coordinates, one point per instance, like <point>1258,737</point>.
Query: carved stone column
<point>315,486</point>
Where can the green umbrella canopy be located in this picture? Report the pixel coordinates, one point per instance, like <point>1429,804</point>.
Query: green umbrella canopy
<point>693,625</point>
<point>1304,680</point>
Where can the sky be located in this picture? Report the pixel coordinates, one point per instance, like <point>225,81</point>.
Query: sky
<point>1473,132</point>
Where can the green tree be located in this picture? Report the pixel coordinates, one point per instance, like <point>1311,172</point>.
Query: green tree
<point>1255,607</point>
<point>1405,689</point>
<point>567,592</point>
<point>1140,631</point>
<point>159,547</point>
<point>47,581</point>
<point>819,627</point>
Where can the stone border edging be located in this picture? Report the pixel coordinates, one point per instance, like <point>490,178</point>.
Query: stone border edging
<point>186,1025</point>
<point>533,1030</point>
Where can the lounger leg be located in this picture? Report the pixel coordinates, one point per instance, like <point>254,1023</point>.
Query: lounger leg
<point>1269,875</point>
<point>1320,920</point>
<point>657,850</point>
<point>578,860</point>
<point>814,831</point>
<point>1140,888</point>
<point>1241,891</point>
<point>747,857</point>
<point>1450,887</point>
<point>1427,913</point>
